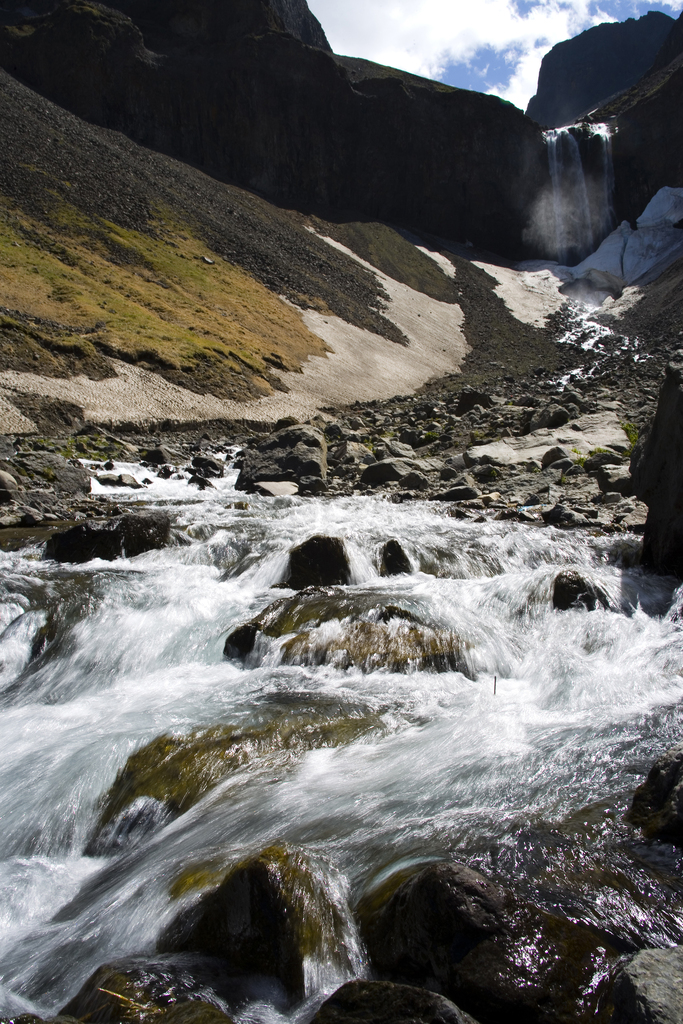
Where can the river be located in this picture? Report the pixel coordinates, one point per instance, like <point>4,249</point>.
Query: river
<point>529,782</point>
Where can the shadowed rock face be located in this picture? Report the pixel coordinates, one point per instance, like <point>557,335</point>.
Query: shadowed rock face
<point>227,88</point>
<point>657,478</point>
<point>580,73</point>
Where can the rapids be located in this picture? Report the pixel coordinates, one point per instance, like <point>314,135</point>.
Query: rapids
<point>530,784</point>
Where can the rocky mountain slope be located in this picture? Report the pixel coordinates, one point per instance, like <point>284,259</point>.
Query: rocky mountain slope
<point>579,74</point>
<point>330,132</point>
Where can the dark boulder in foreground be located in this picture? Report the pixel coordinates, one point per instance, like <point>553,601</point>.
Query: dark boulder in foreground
<point>571,590</point>
<point>140,992</point>
<point>270,914</point>
<point>649,988</point>
<point>657,471</point>
<point>127,535</point>
<point>318,562</point>
<point>495,955</point>
<point>658,802</point>
<point>290,454</point>
<point>394,560</point>
<point>382,1002</point>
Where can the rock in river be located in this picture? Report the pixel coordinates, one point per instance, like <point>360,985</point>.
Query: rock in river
<point>495,955</point>
<point>649,988</point>
<point>394,560</point>
<point>382,1002</point>
<point>658,802</point>
<point>270,915</point>
<point>571,590</point>
<point>318,562</point>
<point>127,535</point>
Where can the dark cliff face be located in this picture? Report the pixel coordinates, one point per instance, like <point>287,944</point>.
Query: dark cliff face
<point>648,144</point>
<point>580,73</point>
<point>232,92</point>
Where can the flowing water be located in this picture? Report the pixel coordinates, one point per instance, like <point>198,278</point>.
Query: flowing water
<point>530,783</point>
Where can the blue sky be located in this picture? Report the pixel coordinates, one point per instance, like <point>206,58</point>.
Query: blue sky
<point>490,45</point>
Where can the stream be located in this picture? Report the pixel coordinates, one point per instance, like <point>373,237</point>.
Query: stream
<point>529,783</point>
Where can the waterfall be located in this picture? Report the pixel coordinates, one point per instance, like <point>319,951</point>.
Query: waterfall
<point>582,198</point>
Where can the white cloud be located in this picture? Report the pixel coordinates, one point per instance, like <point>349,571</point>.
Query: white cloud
<point>425,36</point>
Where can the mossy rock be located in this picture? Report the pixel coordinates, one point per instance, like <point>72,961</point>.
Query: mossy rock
<point>495,955</point>
<point>135,992</point>
<point>398,647</point>
<point>382,1002</point>
<point>270,915</point>
<point>176,771</point>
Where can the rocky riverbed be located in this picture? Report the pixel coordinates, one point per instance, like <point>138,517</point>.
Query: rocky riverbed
<point>342,721</point>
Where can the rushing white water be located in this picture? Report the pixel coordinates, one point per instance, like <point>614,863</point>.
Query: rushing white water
<point>583,702</point>
<point>583,208</point>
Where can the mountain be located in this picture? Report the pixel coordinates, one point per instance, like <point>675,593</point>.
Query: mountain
<point>647,147</point>
<point>230,89</point>
<point>580,74</point>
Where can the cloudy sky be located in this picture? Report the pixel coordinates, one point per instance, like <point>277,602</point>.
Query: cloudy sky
<point>489,45</point>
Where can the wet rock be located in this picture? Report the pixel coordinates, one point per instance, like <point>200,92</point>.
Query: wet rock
<point>47,467</point>
<point>399,646</point>
<point>135,822</point>
<point>140,992</point>
<point>615,479</point>
<point>318,562</point>
<point>394,560</point>
<point>30,1018</point>
<point>8,488</point>
<point>383,1002</point>
<point>495,955</point>
<point>165,472</point>
<point>202,483</point>
<point>130,534</point>
<point>120,480</point>
<point>240,641</point>
<point>649,988</point>
<point>658,802</point>
<point>286,455</point>
<point>571,590</point>
<point>269,915</point>
<point>176,771</point>
<point>204,466</point>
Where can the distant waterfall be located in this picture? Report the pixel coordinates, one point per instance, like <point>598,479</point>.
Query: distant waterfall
<point>580,163</point>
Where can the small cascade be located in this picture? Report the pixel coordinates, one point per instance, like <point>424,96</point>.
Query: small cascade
<point>582,175</point>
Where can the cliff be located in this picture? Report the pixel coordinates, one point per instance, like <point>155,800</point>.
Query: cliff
<point>229,89</point>
<point>580,73</point>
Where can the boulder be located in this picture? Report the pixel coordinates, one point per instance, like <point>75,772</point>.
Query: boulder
<point>494,954</point>
<point>552,416</point>
<point>318,562</point>
<point>394,560</point>
<point>469,398</point>
<point>561,465</point>
<point>657,471</point>
<point>649,988</point>
<point>139,992</point>
<point>118,480</point>
<point>309,486</point>
<point>202,483</point>
<point>464,493</point>
<point>658,802</point>
<point>277,488</point>
<point>571,590</point>
<point>553,454</point>
<point>615,478</point>
<point>127,535</point>
<point>67,477</point>
<point>351,453</point>
<point>563,517</point>
<point>386,470</point>
<point>156,456</point>
<point>411,438</point>
<point>204,466</point>
<point>8,488</point>
<point>289,454</point>
<point>383,1002</point>
<point>415,481</point>
<point>270,915</point>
